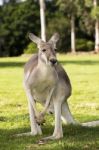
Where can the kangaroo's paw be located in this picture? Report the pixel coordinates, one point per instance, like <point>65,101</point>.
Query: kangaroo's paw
<point>40,119</point>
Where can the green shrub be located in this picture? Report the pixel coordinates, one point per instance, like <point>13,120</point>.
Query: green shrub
<point>83,44</point>
<point>31,48</point>
<point>90,45</point>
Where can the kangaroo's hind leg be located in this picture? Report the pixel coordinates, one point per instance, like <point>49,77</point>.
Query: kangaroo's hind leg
<point>66,114</point>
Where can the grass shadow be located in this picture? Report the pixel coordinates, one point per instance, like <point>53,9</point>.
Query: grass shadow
<point>74,62</point>
<point>80,62</point>
<point>75,138</point>
<point>11,64</point>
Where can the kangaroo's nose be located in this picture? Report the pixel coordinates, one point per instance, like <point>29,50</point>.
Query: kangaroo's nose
<point>53,61</point>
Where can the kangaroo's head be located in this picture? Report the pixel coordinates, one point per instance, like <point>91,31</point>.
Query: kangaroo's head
<point>46,51</point>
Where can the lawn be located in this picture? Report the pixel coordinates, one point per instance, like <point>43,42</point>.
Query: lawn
<point>83,71</point>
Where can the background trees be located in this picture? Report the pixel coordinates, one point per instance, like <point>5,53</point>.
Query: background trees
<point>71,9</point>
<point>17,19</point>
<point>79,18</point>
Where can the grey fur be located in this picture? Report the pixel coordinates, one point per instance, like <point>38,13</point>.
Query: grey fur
<point>46,81</point>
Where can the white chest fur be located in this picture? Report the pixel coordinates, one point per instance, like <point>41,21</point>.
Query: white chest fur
<point>45,79</point>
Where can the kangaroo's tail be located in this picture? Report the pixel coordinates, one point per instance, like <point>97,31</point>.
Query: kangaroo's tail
<point>91,124</point>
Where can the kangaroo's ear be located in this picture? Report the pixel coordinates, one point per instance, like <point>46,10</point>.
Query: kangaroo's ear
<point>34,38</point>
<point>53,40</point>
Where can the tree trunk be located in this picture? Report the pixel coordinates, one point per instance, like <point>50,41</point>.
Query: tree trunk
<point>73,49</point>
<point>42,18</point>
<point>96,31</point>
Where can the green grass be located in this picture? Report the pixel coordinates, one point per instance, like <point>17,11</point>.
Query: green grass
<point>83,71</point>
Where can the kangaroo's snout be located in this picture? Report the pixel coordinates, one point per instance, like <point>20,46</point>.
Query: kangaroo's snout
<point>53,61</point>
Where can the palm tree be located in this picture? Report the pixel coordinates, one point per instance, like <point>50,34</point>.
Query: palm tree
<point>70,9</point>
<point>96,30</point>
<point>42,18</point>
<point>73,49</point>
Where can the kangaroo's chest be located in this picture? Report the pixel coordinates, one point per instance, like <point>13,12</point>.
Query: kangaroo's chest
<point>45,80</point>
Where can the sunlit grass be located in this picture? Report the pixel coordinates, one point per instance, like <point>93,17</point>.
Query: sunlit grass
<point>83,71</point>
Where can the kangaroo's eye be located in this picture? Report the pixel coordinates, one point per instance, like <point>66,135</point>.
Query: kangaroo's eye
<point>55,49</point>
<point>43,50</point>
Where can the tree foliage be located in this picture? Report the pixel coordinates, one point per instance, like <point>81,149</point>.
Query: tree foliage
<point>17,19</point>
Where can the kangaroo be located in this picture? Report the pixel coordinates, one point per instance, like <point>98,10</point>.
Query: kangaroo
<point>46,82</point>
